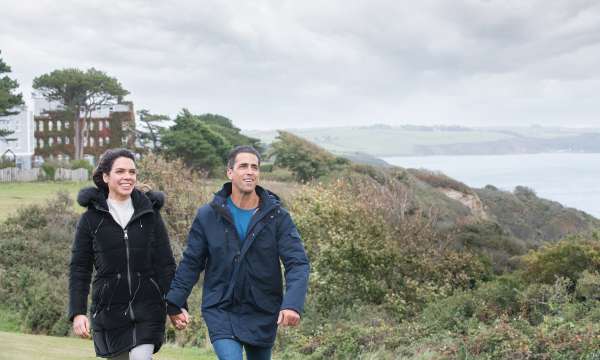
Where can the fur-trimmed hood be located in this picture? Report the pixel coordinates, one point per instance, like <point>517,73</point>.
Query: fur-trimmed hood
<point>94,197</point>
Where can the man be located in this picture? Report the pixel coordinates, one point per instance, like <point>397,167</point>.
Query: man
<point>238,240</point>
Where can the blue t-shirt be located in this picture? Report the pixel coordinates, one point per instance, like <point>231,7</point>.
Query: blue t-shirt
<point>241,218</point>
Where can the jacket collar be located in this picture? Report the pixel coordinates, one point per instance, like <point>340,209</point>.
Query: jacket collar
<point>267,199</point>
<point>93,197</point>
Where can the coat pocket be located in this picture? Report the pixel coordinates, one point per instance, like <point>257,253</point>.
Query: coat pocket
<point>157,288</point>
<point>265,302</point>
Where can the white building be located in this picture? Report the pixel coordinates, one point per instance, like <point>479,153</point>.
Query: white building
<point>19,145</point>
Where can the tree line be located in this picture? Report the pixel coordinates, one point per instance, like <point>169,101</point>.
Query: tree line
<point>202,141</point>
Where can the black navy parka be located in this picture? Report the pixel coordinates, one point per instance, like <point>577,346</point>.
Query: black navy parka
<point>243,286</point>
<point>133,269</point>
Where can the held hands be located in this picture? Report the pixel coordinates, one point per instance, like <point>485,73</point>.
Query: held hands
<point>81,326</point>
<point>288,317</point>
<point>181,320</point>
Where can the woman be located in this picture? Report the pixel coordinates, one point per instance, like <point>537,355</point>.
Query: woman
<point>122,236</point>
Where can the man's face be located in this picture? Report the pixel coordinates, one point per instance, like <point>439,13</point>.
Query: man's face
<point>245,172</point>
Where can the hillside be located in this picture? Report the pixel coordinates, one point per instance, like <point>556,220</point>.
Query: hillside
<point>410,140</point>
<point>499,224</point>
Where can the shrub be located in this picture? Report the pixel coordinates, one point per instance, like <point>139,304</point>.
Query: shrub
<point>185,191</point>
<point>567,258</point>
<point>359,258</point>
<point>440,180</point>
<point>451,313</point>
<point>49,169</point>
<point>34,249</point>
<point>588,285</point>
<point>306,160</point>
<point>82,164</point>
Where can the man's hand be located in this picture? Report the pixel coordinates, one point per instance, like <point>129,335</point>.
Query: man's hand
<point>288,317</point>
<point>81,326</point>
<point>180,320</point>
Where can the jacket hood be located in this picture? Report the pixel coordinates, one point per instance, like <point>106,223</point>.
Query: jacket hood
<point>94,197</point>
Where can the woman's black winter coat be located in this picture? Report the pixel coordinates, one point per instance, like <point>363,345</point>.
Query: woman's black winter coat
<point>133,269</point>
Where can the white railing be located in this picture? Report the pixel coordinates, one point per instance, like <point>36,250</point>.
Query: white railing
<point>15,174</point>
<point>22,175</point>
<point>71,175</point>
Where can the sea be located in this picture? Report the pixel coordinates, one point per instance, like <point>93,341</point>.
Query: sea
<point>572,179</point>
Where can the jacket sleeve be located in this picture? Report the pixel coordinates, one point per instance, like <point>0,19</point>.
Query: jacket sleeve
<point>80,268</point>
<point>295,262</point>
<point>191,265</point>
<point>163,262</point>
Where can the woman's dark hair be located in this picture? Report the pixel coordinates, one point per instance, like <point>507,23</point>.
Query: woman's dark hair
<point>105,164</point>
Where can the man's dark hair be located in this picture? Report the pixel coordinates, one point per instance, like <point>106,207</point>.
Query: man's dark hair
<point>238,150</point>
<point>105,164</point>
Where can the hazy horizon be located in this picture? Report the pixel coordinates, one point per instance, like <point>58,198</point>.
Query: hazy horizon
<point>286,64</point>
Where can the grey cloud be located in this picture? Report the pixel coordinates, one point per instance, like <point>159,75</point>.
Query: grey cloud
<point>288,63</point>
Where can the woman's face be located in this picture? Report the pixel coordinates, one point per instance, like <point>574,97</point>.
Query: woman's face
<point>122,178</point>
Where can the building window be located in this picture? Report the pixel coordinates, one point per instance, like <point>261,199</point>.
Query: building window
<point>50,125</point>
<point>40,126</point>
<point>50,141</point>
<point>67,124</point>
<point>100,141</point>
<point>91,142</point>
<point>58,125</point>
<point>100,125</point>
<point>59,139</point>
<point>67,140</point>
<point>107,124</point>
<point>107,140</point>
<point>85,141</point>
<point>42,144</point>
<point>91,126</point>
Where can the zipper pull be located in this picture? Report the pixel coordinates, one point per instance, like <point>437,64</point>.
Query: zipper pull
<point>125,231</point>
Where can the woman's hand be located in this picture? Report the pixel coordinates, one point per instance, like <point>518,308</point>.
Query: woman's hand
<point>81,326</point>
<point>181,320</point>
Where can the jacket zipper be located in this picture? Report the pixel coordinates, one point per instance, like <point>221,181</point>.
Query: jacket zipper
<point>126,238</point>
<point>131,314</point>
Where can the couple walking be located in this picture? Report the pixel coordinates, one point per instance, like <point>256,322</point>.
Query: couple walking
<point>238,240</point>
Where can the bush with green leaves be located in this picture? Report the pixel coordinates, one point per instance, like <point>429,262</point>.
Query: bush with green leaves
<point>357,257</point>
<point>34,254</point>
<point>567,258</point>
<point>306,160</point>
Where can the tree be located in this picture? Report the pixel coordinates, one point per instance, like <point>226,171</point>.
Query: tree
<point>80,92</point>
<point>225,127</point>
<point>151,133</point>
<point>8,99</point>
<point>191,140</point>
<point>306,160</point>
<point>203,141</point>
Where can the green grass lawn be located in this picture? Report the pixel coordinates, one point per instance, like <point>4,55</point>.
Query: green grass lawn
<point>16,195</point>
<point>17,346</point>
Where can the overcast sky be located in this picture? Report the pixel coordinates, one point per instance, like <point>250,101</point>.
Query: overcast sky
<point>283,64</point>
